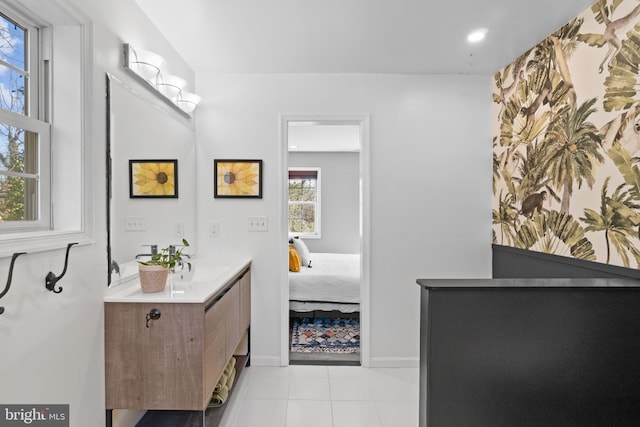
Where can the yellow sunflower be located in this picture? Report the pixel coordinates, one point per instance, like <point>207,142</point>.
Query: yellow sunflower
<point>238,179</point>
<point>154,179</point>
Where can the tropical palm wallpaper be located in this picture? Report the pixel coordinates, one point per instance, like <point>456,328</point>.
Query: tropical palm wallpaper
<point>566,146</point>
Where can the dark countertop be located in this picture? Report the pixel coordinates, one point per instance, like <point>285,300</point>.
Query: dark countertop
<point>436,284</point>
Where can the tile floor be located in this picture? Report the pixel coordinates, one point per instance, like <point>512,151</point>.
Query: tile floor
<point>324,396</point>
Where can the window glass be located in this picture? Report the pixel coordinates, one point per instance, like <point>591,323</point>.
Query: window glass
<point>18,174</point>
<point>303,202</point>
<point>13,66</point>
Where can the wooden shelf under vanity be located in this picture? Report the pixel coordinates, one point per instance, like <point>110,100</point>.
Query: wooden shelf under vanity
<point>212,416</point>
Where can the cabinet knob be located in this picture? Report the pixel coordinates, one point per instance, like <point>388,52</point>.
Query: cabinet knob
<point>154,314</point>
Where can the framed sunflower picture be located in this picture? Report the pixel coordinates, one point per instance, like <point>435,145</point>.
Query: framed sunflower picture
<point>153,178</point>
<point>237,178</point>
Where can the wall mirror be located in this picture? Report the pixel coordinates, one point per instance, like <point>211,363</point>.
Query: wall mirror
<point>146,143</point>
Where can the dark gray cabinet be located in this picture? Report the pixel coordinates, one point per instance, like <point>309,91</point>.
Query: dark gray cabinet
<point>530,353</point>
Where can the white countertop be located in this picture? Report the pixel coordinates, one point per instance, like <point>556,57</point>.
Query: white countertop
<point>205,279</point>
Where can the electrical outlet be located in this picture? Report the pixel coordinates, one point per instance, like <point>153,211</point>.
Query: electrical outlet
<point>134,223</point>
<point>214,229</point>
<point>258,223</point>
<point>178,228</point>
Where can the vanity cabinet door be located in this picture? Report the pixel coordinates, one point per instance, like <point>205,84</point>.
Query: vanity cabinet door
<point>245,302</point>
<point>215,355</point>
<point>232,322</point>
<point>154,367</point>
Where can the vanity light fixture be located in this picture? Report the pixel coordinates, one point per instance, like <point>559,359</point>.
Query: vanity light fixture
<point>187,101</point>
<point>151,68</point>
<point>170,85</point>
<point>147,65</point>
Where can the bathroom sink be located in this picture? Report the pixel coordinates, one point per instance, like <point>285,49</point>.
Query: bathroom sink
<point>199,273</point>
<point>183,281</point>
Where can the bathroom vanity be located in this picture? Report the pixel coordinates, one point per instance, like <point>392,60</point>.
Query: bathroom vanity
<point>167,350</point>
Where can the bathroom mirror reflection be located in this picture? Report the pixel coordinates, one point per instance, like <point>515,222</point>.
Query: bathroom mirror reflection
<point>149,146</point>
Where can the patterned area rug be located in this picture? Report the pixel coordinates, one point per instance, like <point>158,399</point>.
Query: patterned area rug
<point>325,335</point>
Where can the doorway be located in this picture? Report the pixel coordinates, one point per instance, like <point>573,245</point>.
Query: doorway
<point>326,168</point>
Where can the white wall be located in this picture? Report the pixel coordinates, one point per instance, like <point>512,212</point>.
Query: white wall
<point>52,344</point>
<point>339,200</point>
<point>430,186</point>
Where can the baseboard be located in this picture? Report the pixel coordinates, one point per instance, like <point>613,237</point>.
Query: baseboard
<point>375,362</point>
<point>265,360</point>
<point>394,362</point>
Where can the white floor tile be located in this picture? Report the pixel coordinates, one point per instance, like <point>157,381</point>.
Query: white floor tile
<point>347,371</point>
<point>268,388</point>
<point>309,371</point>
<point>412,375</point>
<point>395,414</point>
<point>308,413</point>
<point>262,412</point>
<point>235,402</point>
<point>356,414</point>
<point>325,396</point>
<point>392,388</point>
<point>350,389</point>
<point>270,371</point>
<point>309,389</point>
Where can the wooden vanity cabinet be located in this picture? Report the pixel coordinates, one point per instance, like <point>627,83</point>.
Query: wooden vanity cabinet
<point>175,362</point>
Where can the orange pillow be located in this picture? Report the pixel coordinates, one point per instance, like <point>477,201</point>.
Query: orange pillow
<point>294,259</point>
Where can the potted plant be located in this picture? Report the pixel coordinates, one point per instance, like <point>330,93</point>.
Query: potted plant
<point>154,272</point>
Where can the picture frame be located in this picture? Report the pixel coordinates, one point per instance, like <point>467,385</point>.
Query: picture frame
<point>153,179</point>
<point>237,178</point>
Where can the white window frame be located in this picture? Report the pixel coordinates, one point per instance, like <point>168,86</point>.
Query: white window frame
<point>65,68</point>
<point>33,120</point>
<point>316,234</point>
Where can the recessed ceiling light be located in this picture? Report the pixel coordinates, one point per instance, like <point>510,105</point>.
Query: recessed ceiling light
<point>477,35</point>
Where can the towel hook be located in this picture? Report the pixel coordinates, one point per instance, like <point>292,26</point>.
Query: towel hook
<point>8,285</point>
<point>52,279</point>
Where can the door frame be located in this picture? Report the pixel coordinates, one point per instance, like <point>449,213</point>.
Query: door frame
<point>363,121</point>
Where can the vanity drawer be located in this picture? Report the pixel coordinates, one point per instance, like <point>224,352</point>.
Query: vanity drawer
<point>245,301</point>
<point>232,322</point>
<point>214,352</point>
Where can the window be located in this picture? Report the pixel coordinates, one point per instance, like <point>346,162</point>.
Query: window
<point>304,202</point>
<point>24,136</point>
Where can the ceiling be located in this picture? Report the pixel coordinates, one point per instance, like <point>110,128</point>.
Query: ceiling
<point>356,36</point>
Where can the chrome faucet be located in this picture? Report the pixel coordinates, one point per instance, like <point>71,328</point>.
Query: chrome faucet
<point>181,263</point>
<point>154,251</point>
<point>172,251</point>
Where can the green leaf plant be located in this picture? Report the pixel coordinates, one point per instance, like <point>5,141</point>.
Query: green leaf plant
<point>167,257</point>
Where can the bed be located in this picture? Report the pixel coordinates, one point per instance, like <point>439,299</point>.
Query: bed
<point>332,283</point>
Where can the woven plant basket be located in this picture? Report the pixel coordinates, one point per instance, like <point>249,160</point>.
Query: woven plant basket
<point>153,278</point>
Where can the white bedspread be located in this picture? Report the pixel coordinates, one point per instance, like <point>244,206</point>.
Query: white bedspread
<point>331,278</point>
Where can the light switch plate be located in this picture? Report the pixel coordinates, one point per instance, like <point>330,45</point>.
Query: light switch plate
<point>134,223</point>
<point>214,229</point>
<point>258,223</point>
<point>178,228</point>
